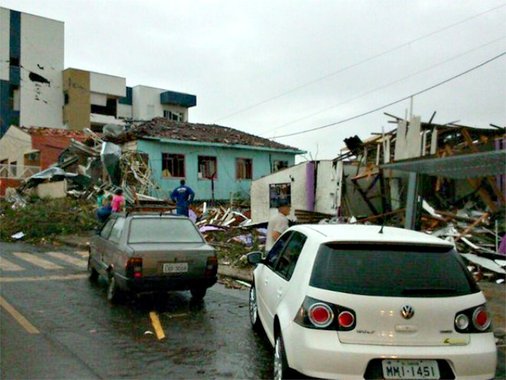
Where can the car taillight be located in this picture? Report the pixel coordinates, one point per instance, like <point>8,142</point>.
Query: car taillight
<point>473,320</point>
<point>134,267</point>
<point>211,266</point>
<point>320,314</point>
<point>346,319</point>
<point>316,314</point>
<point>481,319</point>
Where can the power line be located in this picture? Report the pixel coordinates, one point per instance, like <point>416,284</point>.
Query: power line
<point>396,101</point>
<point>368,92</point>
<point>359,63</point>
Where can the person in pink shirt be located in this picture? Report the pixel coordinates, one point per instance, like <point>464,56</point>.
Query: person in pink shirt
<point>118,201</point>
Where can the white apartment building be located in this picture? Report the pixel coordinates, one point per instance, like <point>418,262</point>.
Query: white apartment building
<point>36,91</point>
<point>31,65</point>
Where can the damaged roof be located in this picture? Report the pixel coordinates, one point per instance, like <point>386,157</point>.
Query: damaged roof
<point>44,131</point>
<point>209,133</point>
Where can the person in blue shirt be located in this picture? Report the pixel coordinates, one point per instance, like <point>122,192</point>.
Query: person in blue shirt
<point>183,195</point>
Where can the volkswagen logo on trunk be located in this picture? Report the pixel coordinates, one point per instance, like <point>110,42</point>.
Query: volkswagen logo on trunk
<point>407,312</point>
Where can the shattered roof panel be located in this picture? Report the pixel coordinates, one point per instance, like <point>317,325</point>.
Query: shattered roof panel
<point>44,131</point>
<point>210,133</point>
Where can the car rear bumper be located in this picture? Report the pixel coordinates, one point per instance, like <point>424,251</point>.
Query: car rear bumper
<point>320,354</point>
<point>164,283</point>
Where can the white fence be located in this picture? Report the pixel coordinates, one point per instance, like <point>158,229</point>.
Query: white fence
<point>17,171</point>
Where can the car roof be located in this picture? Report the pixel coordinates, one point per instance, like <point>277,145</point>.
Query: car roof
<point>356,233</point>
<point>147,214</point>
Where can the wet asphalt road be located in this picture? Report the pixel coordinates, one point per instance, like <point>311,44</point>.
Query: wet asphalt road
<point>82,336</point>
<point>79,335</point>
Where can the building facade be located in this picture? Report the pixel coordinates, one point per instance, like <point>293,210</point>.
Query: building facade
<point>36,91</point>
<point>217,162</point>
<point>31,65</point>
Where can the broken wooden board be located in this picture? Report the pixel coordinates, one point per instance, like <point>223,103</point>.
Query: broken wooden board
<point>484,263</point>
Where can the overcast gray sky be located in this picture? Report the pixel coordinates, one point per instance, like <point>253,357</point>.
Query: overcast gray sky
<point>277,67</point>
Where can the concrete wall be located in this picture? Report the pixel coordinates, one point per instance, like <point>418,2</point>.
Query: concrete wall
<point>146,104</point>
<point>42,54</point>
<point>76,113</point>
<point>13,145</point>
<point>326,186</point>
<point>313,188</point>
<point>52,189</point>
<point>107,84</point>
<point>296,175</point>
<point>226,183</point>
<point>124,111</point>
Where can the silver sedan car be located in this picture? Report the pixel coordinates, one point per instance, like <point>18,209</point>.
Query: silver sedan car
<point>149,252</point>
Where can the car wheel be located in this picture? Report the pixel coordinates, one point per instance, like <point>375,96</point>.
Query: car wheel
<point>281,369</point>
<point>198,293</point>
<point>92,272</point>
<point>113,292</point>
<point>253,309</point>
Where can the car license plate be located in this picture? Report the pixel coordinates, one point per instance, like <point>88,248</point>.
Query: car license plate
<point>175,267</point>
<point>410,369</point>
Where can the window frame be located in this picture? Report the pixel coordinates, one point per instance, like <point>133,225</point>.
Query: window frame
<point>105,232</point>
<point>207,159</point>
<point>277,250</point>
<point>278,165</point>
<point>290,250</point>
<point>119,226</point>
<point>179,158</point>
<point>246,166</point>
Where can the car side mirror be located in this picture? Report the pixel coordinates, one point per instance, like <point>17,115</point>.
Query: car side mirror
<point>255,257</point>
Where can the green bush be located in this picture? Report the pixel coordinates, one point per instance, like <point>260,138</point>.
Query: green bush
<point>45,218</point>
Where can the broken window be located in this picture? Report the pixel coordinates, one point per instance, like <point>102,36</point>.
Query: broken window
<point>4,168</point>
<point>173,165</point>
<point>14,99</point>
<point>175,116</point>
<point>66,97</point>
<point>14,168</point>
<point>32,159</point>
<point>110,109</point>
<point>279,192</point>
<point>207,167</point>
<point>14,61</point>
<point>244,168</point>
<point>278,165</point>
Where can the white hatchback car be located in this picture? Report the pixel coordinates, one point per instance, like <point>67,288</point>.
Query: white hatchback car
<point>366,302</point>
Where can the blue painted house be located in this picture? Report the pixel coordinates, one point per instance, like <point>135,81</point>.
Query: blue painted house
<point>217,162</point>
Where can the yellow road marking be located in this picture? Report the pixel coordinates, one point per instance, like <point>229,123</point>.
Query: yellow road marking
<point>69,259</point>
<point>31,329</point>
<point>37,261</point>
<point>7,266</point>
<point>44,278</point>
<point>155,321</point>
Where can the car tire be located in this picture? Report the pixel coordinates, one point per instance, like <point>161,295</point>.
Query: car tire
<point>281,368</point>
<point>92,272</point>
<point>113,291</point>
<point>253,310</point>
<point>198,293</point>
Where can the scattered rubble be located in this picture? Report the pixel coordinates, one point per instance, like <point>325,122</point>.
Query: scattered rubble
<point>472,217</point>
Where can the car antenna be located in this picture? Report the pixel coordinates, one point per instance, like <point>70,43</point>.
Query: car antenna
<point>382,225</point>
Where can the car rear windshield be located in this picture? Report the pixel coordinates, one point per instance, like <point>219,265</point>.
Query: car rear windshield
<point>163,230</point>
<point>393,271</point>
